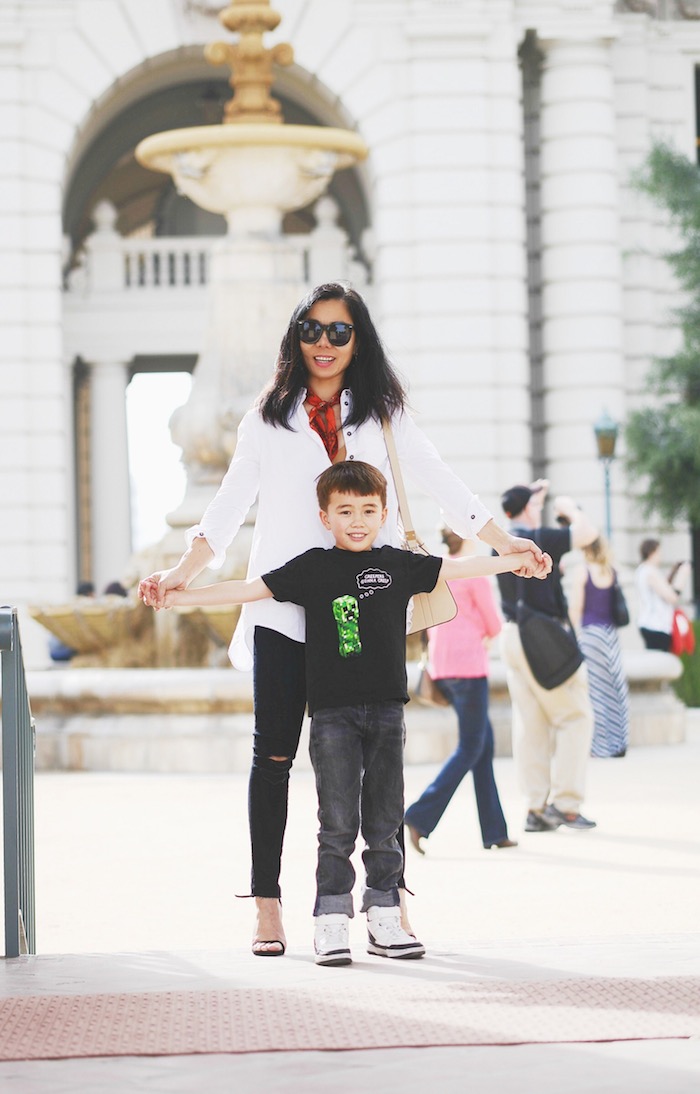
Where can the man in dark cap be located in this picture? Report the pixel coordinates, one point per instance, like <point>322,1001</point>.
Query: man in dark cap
<point>552,729</point>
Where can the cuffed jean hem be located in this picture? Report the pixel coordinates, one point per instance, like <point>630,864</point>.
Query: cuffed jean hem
<point>380,898</point>
<point>328,905</point>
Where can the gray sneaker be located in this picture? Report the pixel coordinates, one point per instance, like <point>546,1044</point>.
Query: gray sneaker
<point>540,822</point>
<point>571,820</point>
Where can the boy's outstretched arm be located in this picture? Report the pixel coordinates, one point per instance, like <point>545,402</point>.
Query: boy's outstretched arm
<point>484,565</point>
<point>223,592</point>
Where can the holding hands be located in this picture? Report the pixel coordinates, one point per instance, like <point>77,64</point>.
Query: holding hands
<point>535,562</point>
<point>173,597</point>
<point>523,562</point>
<point>153,590</point>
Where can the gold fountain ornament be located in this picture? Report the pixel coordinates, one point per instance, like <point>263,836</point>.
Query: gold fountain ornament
<point>252,168</point>
<point>251,63</point>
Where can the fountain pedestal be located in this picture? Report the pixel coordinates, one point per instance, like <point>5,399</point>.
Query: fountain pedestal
<point>201,720</point>
<point>255,284</point>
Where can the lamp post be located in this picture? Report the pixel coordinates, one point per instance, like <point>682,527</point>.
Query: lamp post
<point>605,430</point>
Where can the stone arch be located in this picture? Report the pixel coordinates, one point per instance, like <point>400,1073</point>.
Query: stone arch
<point>173,90</point>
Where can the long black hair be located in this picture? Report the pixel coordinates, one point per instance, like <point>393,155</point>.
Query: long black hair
<point>375,385</point>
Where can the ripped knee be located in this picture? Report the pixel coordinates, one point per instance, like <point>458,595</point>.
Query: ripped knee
<point>273,769</point>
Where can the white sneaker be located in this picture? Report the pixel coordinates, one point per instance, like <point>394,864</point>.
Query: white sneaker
<point>331,939</point>
<point>386,936</point>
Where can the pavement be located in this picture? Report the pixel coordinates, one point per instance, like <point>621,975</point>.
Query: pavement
<point>137,878</point>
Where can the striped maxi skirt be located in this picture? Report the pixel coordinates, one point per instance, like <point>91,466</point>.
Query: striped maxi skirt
<point>607,685</point>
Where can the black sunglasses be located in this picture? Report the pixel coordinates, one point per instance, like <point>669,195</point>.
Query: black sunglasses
<point>310,330</point>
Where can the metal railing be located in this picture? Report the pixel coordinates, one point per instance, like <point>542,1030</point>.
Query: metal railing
<point>18,747</point>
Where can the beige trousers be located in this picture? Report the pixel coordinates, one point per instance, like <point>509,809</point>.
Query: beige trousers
<point>552,730</point>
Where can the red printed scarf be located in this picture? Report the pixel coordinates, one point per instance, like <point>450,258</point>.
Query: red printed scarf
<point>322,421</point>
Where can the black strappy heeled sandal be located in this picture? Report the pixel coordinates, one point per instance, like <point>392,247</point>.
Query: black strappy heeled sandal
<point>268,942</point>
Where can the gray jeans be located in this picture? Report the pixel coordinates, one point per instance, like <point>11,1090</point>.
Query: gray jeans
<point>357,756</point>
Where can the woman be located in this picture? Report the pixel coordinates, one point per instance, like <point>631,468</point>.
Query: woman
<point>458,663</point>
<point>332,386</point>
<point>591,612</point>
<point>657,596</point>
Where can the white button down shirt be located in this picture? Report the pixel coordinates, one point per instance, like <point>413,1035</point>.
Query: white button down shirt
<point>280,466</point>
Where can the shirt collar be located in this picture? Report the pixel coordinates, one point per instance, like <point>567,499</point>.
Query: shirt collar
<point>344,394</point>
<point>345,401</point>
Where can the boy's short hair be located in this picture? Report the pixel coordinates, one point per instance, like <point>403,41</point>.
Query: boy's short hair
<point>350,477</point>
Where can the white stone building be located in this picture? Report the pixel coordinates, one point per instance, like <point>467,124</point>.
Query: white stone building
<point>509,262</point>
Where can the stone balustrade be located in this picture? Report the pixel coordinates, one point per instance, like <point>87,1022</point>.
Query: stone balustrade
<point>111,263</point>
<point>165,263</point>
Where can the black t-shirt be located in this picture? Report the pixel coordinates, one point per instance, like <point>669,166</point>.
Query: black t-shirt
<point>545,596</point>
<point>355,619</point>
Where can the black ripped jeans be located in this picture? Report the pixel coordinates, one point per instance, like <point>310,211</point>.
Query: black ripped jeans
<point>279,694</point>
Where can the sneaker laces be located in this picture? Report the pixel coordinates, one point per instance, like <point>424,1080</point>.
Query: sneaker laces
<point>332,936</point>
<point>390,926</point>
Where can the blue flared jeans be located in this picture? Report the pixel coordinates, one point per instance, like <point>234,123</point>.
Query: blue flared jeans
<point>357,757</point>
<point>474,753</point>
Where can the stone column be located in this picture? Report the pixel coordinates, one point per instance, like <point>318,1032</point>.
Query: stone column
<point>581,270</point>
<point>329,248</point>
<point>110,495</point>
<point>36,541</point>
<point>450,240</point>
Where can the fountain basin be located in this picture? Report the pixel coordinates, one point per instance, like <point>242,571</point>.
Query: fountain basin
<point>252,174</point>
<point>95,625</point>
<point>112,632</point>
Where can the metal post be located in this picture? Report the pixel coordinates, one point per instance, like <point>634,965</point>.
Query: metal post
<point>17,792</point>
<point>606,472</point>
<point>9,789</point>
<point>606,430</point>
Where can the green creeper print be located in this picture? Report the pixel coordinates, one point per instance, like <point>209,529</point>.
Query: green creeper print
<point>346,612</point>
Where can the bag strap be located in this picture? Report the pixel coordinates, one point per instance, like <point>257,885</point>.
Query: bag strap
<point>410,536</point>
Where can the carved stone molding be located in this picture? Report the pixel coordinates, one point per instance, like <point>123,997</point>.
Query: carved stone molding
<point>663,9</point>
<point>689,9</point>
<point>643,7</point>
<point>207,7</point>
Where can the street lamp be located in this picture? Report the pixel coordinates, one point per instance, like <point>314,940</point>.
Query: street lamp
<point>605,430</point>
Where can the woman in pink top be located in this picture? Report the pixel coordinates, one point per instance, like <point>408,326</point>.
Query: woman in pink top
<point>458,663</point>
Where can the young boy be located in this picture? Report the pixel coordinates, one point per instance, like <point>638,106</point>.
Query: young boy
<point>355,597</point>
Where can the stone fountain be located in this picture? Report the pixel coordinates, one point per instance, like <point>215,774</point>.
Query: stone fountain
<point>252,169</point>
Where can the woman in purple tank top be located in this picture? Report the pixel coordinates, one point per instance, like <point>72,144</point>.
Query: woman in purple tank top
<point>591,612</point>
